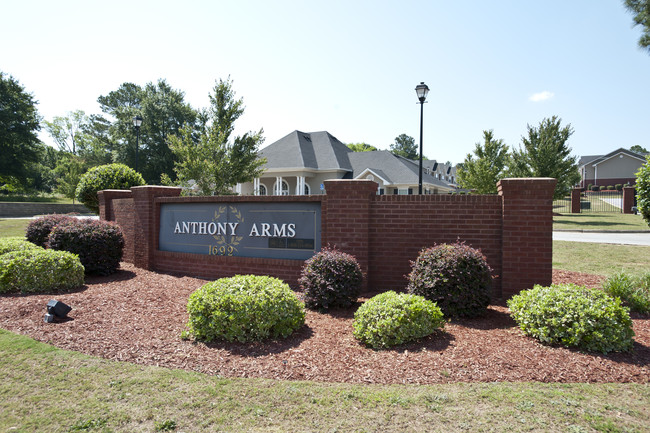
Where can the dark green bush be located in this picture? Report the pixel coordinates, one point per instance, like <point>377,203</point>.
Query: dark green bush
<point>589,186</point>
<point>603,188</point>
<point>610,187</point>
<point>244,308</point>
<point>595,188</point>
<point>454,276</point>
<point>619,187</point>
<point>573,316</point>
<point>111,176</point>
<point>39,271</point>
<point>389,319</point>
<point>331,278</point>
<point>99,244</point>
<point>16,244</point>
<point>633,291</point>
<point>38,230</point>
<point>643,190</point>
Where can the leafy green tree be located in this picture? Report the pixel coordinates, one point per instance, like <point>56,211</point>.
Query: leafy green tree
<point>210,158</point>
<point>405,146</point>
<point>643,190</point>
<point>545,153</point>
<point>70,132</point>
<point>68,172</point>
<point>164,112</point>
<point>19,123</point>
<point>641,11</point>
<point>639,149</point>
<point>481,171</point>
<point>361,147</point>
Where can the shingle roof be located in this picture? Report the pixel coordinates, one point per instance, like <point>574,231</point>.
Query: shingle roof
<point>394,169</point>
<point>596,159</point>
<point>316,150</point>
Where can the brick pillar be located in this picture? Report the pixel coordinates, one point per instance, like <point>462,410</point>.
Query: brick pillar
<point>145,221</point>
<point>346,218</point>
<point>527,233</point>
<point>628,199</point>
<point>575,200</point>
<point>106,198</point>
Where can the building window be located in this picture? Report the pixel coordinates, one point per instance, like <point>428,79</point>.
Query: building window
<point>307,190</point>
<point>285,188</point>
<point>381,191</point>
<point>262,190</point>
<point>404,191</point>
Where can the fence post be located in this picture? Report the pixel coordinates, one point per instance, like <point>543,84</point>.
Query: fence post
<point>575,200</point>
<point>628,198</point>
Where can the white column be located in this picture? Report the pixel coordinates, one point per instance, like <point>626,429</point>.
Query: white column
<point>256,186</point>
<point>300,185</point>
<point>238,188</point>
<point>278,185</point>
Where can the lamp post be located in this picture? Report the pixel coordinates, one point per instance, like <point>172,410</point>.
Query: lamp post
<point>421,90</point>
<point>137,122</point>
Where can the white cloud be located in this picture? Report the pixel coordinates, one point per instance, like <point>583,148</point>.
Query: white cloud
<point>541,96</point>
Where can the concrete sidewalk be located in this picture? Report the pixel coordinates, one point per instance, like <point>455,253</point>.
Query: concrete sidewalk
<point>625,238</point>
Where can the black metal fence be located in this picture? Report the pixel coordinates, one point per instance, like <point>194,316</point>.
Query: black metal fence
<point>592,201</point>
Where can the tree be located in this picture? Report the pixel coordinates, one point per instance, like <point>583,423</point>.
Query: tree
<point>639,149</point>
<point>482,173</point>
<point>643,190</point>
<point>70,133</point>
<point>545,153</point>
<point>164,112</point>
<point>405,146</point>
<point>210,158</point>
<point>641,11</point>
<point>361,147</point>
<point>19,123</point>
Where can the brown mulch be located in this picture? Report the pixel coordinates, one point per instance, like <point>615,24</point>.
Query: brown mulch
<point>138,316</point>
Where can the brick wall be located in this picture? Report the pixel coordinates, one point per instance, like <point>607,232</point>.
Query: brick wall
<point>513,229</point>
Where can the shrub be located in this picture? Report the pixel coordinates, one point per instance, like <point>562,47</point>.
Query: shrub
<point>643,190</point>
<point>39,270</point>
<point>633,291</point>
<point>389,319</point>
<point>619,187</point>
<point>573,316</point>
<point>595,188</point>
<point>98,244</point>
<point>110,176</point>
<point>603,188</point>
<point>331,278</point>
<point>454,276</point>
<point>610,187</point>
<point>39,229</point>
<point>244,308</point>
<point>589,186</point>
<point>16,244</point>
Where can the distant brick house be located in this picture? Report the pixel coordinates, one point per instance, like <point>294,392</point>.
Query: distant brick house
<point>617,167</point>
<point>300,162</point>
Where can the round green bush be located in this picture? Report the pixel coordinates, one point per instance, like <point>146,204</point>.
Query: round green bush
<point>454,276</point>
<point>99,244</point>
<point>595,188</point>
<point>330,278</point>
<point>16,244</point>
<point>39,271</point>
<point>244,308</point>
<point>389,319</point>
<point>643,190</point>
<point>573,316</point>
<point>110,176</point>
<point>38,230</point>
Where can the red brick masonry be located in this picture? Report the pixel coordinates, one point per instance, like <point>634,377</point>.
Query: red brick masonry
<point>384,232</point>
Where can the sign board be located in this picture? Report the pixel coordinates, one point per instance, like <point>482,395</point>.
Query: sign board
<point>268,230</point>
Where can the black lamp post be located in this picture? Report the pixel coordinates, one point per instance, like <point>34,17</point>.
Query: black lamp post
<point>421,90</point>
<point>137,122</point>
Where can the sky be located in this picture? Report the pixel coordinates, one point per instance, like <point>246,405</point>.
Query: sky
<point>351,67</point>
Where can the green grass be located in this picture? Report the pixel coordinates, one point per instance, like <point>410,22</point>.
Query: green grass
<point>41,198</point>
<point>600,221</point>
<point>601,259</point>
<point>13,227</point>
<point>48,389</point>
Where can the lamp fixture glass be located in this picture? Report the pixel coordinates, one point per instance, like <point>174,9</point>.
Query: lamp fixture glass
<point>137,121</point>
<point>422,90</point>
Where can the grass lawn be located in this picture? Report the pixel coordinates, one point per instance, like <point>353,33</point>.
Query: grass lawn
<point>601,259</point>
<point>13,227</point>
<point>48,389</point>
<point>600,221</point>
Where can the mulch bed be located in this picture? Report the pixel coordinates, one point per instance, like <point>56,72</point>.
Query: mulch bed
<point>138,316</point>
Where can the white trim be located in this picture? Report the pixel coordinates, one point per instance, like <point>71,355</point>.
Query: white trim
<point>617,154</point>
<point>371,171</point>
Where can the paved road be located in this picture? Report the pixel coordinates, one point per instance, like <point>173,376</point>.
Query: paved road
<point>604,238</point>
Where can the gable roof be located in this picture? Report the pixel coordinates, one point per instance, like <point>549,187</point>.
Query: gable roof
<point>315,150</point>
<point>393,169</point>
<point>598,159</point>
